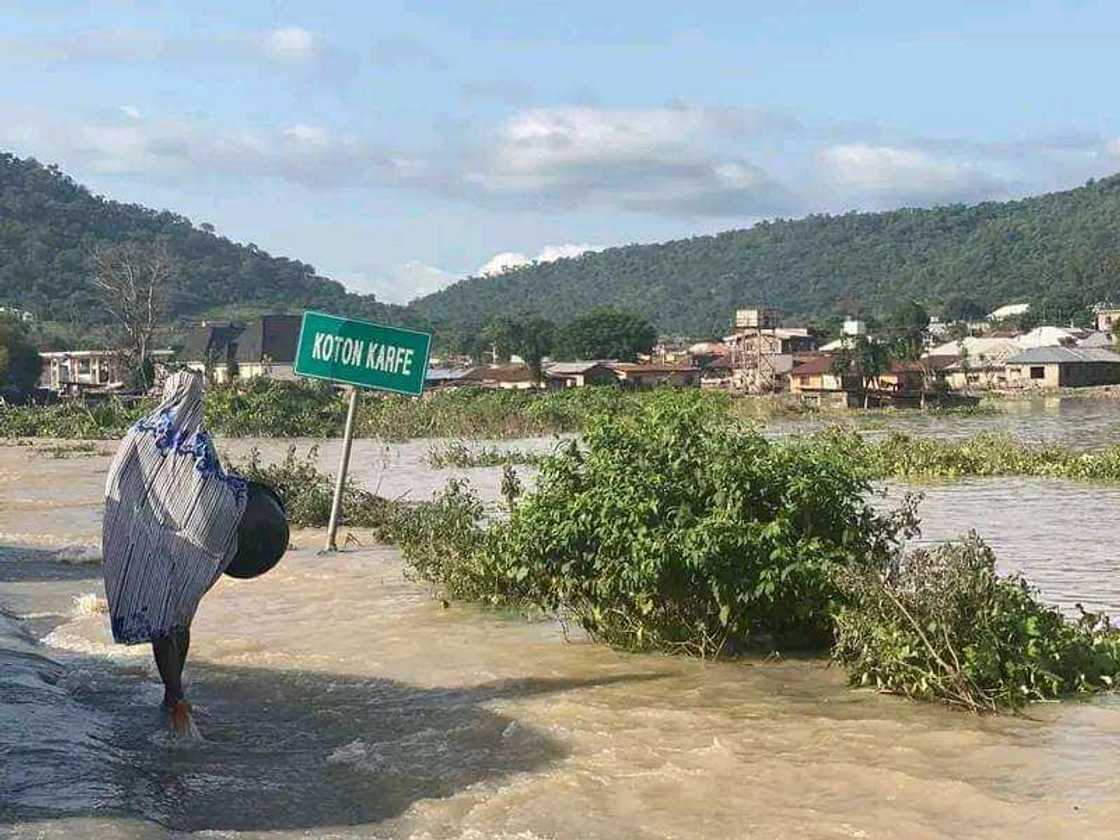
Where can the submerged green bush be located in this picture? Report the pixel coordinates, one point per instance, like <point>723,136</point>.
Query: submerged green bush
<point>443,541</point>
<point>672,529</point>
<point>943,625</point>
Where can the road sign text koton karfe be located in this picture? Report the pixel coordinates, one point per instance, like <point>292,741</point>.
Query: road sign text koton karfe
<point>363,354</point>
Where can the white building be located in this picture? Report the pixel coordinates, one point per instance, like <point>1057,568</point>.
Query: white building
<point>1011,310</point>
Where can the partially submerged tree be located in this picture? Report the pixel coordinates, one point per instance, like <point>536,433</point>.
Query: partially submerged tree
<point>909,331</point>
<point>19,360</point>
<point>606,334</point>
<point>132,280</point>
<point>533,341</point>
<point>866,357</point>
<point>531,337</point>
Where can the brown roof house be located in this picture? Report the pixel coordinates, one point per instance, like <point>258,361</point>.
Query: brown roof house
<point>656,375</point>
<point>560,375</point>
<point>500,377</point>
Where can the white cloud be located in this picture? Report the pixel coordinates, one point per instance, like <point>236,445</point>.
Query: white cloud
<point>507,260</point>
<point>177,149</point>
<point>1113,147</point>
<point>401,284</point>
<point>679,160</point>
<point>130,111</point>
<point>289,43</point>
<point>315,135</point>
<point>551,253</point>
<point>502,262</point>
<point>904,174</point>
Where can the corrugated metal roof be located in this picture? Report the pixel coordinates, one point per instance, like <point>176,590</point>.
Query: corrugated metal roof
<point>444,374</point>
<point>501,373</point>
<point>1096,339</point>
<point>654,367</point>
<point>1064,355</point>
<point>572,368</point>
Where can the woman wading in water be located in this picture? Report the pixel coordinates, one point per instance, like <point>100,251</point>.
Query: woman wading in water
<point>170,530</point>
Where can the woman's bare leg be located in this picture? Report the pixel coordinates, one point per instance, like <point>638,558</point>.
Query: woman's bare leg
<point>184,648</point>
<point>171,656</point>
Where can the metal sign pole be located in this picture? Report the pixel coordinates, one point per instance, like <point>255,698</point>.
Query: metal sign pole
<point>343,465</point>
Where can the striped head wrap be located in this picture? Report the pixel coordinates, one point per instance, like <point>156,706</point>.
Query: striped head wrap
<point>171,517</point>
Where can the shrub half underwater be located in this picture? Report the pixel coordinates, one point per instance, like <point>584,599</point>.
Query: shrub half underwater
<point>672,529</point>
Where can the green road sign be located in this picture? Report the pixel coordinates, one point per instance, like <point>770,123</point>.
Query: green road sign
<point>363,354</point>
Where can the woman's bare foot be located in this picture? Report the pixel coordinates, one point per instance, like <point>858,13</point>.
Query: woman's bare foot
<point>180,715</point>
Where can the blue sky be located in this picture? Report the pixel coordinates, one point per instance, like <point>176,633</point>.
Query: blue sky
<point>398,146</point>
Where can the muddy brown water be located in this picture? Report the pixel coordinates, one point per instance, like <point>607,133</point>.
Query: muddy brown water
<point>337,699</point>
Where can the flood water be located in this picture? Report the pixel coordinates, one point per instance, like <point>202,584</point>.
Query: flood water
<point>337,699</point>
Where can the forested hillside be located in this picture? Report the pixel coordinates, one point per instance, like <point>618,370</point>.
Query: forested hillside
<point>1060,251</point>
<point>48,224</point>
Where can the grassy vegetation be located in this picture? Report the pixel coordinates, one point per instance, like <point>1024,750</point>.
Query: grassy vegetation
<point>910,457</point>
<point>307,493</point>
<point>459,454</point>
<point>266,408</point>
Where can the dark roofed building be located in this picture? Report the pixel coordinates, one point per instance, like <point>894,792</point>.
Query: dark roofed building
<point>273,338</point>
<point>214,342</point>
<point>265,347</point>
<point>656,375</point>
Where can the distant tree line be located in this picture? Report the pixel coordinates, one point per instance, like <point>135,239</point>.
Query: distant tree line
<point>601,334</point>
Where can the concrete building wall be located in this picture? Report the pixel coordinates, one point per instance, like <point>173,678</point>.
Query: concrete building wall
<point>1065,375</point>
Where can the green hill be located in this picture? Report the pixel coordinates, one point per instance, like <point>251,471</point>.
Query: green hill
<point>1061,251</point>
<point>48,224</point>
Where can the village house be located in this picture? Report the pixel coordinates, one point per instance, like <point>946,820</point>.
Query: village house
<point>73,369</point>
<point>499,377</point>
<point>717,374</point>
<point>1063,367</point>
<point>442,378</point>
<point>819,375</point>
<point>1098,340</point>
<point>850,330</point>
<point>780,340</point>
<point>265,347</point>
<point>560,375</point>
<point>1107,316</point>
<point>980,361</point>
<point>89,370</point>
<point>656,375</point>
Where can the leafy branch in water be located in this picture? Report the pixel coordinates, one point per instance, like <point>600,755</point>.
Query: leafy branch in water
<point>944,625</point>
